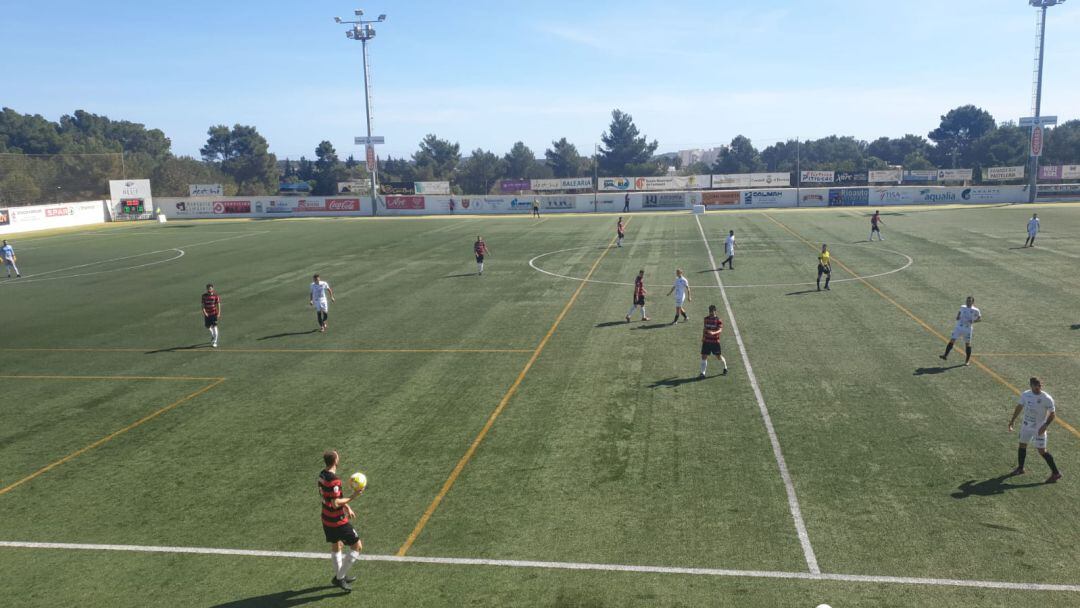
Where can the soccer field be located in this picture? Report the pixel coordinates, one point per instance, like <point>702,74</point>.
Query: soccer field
<point>524,445</point>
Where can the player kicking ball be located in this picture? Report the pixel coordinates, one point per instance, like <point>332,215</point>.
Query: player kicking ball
<point>335,520</point>
<point>319,290</point>
<point>968,316</point>
<point>639,296</point>
<point>681,289</point>
<point>1038,408</point>
<point>710,341</point>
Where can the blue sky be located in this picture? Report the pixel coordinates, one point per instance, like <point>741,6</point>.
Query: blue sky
<point>486,74</point>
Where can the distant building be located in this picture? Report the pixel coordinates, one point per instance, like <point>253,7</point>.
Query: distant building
<point>689,157</point>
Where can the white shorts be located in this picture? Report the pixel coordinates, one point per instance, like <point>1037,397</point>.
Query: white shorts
<point>1030,434</point>
<point>961,332</point>
<point>679,301</point>
<point>322,305</point>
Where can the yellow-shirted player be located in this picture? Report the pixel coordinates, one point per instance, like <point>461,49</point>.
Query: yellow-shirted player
<point>824,267</point>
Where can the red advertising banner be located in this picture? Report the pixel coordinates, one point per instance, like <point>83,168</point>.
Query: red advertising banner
<point>729,197</point>
<point>1036,141</point>
<point>221,207</point>
<point>59,212</point>
<point>404,202</point>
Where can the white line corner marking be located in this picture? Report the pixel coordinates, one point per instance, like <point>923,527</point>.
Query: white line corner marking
<point>514,563</point>
<point>793,500</point>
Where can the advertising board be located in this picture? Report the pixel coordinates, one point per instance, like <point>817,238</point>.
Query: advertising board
<point>405,202</point>
<point>514,185</point>
<point>991,174</point>
<point>667,201</point>
<point>42,217</point>
<point>205,190</point>
<point>609,184</point>
<point>432,187</point>
<point>885,176</point>
<point>132,195</point>
<point>817,177</point>
<point>849,197</point>
<point>954,175</point>
<point>566,183</point>
<point>725,197</point>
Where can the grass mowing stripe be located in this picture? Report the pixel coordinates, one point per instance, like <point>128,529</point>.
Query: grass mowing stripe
<point>498,409</point>
<point>774,440</point>
<point>49,377</point>
<point>273,350</point>
<point>993,374</point>
<point>112,435</point>
<point>515,563</point>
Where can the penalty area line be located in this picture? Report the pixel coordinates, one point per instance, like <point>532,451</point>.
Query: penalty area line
<point>578,566</point>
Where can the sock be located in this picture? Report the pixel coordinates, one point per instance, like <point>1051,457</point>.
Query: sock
<point>828,278</point>
<point>481,267</point>
<point>967,352</point>
<point>211,330</point>
<point>724,361</point>
<point>643,315</point>
<point>948,349</point>
<point>1021,456</point>
<point>335,557</point>
<point>214,333</point>
<point>676,320</point>
<point>632,309</point>
<point>704,365</point>
<point>346,562</point>
<point>1050,461</point>
<point>685,318</point>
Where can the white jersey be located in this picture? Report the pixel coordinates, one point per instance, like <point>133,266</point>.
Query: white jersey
<point>681,286</point>
<point>967,316</point>
<point>7,252</point>
<point>1036,407</point>
<point>729,245</point>
<point>318,291</point>
<point>1033,225</point>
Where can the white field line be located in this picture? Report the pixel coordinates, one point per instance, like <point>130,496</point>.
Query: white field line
<point>793,500</point>
<point>514,563</point>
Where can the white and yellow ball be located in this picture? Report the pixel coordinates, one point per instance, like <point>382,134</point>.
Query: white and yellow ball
<point>358,481</point>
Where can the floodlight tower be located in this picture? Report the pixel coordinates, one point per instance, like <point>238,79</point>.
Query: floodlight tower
<point>1042,5</point>
<point>363,31</point>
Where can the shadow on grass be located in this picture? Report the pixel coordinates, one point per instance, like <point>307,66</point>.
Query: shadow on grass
<point>289,333</point>
<point>1011,248</point>
<point>285,599</point>
<point>673,382</point>
<point>176,348</point>
<point>653,326</point>
<point>1075,326</point>
<point>708,270</point>
<point>990,487</point>
<point>611,323</point>
<point>925,371</point>
<point>802,293</point>
<point>464,274</point>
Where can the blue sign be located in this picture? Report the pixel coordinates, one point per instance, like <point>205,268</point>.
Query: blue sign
<point>849,197</point>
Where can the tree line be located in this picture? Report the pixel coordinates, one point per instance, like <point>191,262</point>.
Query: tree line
<point>73,158</point>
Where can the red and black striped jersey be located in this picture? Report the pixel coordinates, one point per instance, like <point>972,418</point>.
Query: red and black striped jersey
<point>329,489</point>
<point>712,324</point>
<point>639,287</point>
<point>211,303</point>
<point>619,228</point>
<point>480,247</point>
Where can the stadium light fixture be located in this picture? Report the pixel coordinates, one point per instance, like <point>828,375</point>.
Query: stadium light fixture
<point>1033,179</point>
<point>363,31</point>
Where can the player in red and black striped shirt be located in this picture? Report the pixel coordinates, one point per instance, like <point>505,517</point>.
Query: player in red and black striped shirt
<point>480,248</point>
<point>335,520</point>
<point>620,232</point>
<point>710,340</point>
<point>211,310</point>
<point>639,296</point>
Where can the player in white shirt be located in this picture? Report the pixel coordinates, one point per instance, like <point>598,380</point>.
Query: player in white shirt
<point>1033,230</point>
<point>729,251</point>
<point>681,289</point>
<point>8,253</point>
<point>319,290</point>
<point>968,316</point>
<point>1038,408</point>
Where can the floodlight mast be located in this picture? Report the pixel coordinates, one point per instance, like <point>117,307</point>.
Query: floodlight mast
<point>363,31</point>
<point>1042,5</point>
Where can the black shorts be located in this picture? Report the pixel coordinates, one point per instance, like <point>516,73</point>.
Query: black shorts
<point>874,228</point>
<point>480,259</point>
<point>210,320</point>
<point>345,534</point>
<point>823,270</point>
<point>639,301</point>
<point>710,348</point>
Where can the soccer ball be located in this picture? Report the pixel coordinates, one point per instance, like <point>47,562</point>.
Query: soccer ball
<point>358,481</point>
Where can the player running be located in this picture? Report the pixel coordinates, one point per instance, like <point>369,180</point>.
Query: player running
<point>480,248</point>
<point>319,290</point>
<point>639,296</point>
<point>335,521</point>
<point>8,253</point>
<point>824,267</point>
<point>1038,408</point>
<point>681,289</point>
<point>729,251</point>
<point>211,311</point>
<point>710,341</point>
<point>967,316</point>
<point>620,232</point>
<point>875,226</point>
<point>1033,230</point>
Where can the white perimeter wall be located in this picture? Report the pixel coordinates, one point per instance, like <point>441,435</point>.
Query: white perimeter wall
<point>43,217</point>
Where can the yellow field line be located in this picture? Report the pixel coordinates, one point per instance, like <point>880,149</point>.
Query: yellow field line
<point>993,374</point>
<point>272,350</point>
<point>53,377</point>
<point>110,436</point>
<point>498,410</point>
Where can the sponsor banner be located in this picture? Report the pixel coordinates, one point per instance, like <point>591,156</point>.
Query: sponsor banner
<point>5,217</point>
<point>432,187</point>
<point>130,199</point>
<point>813,197</point>
<point>939,195</point>
<point>205,190</point>
<point>751,180</point>
<point>730,197</point>
<point>294,188</point>
<point>893,196</point>
<point>566,183</point>
<point>849,177</point>
<point>987,194</point>
<point>559,202</point>
<point>818,177</point>
<point>514,185</point>
<point>520,203</point>
<point>884,176</point>
<point>672,182</point>
<point>1059,172</point>
<point>1002,173</point>
<point>955,175</point>
<point>769,198</point>
<point>669,201</point>
<point>230,207</point>
<point>42,217</point>
<point>1070,172</point>
<point>405,202</point>
<point>849,197</point>
<point>1059,190</point>
<point>615,183</point>
<point>354,186</point>
<point>405,188</point>
<point>921,175</point>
